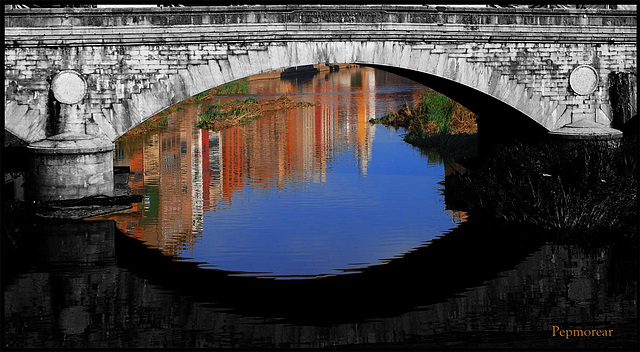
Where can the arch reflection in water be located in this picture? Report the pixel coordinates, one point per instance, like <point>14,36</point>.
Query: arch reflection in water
<point>307,192</point>
<point>81,285</point>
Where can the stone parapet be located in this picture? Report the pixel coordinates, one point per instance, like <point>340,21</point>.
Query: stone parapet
<point>252,34</point>
<point>226,15</point>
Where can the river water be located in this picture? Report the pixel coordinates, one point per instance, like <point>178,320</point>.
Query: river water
<point>303,193</point>
<point>305,228</point>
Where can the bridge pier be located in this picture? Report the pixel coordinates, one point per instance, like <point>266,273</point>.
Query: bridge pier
<point>70,166</point>
<point>586,130</point>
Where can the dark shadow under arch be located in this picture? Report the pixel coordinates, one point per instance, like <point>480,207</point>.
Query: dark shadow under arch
<point>462,259</point>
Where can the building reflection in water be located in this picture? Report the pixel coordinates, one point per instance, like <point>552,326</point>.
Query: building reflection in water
<point>185,172</point>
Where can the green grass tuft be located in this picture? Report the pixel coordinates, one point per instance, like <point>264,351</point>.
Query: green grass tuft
<point>436,122</point>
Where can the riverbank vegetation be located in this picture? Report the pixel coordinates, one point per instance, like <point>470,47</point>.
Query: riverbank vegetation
<point>218,115</point>
<point>221,115</point>
<point>581,190</point>
<point>160,120</point>
<point>438,123</point>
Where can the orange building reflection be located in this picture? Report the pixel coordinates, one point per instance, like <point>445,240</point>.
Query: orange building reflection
<point>185,172</point>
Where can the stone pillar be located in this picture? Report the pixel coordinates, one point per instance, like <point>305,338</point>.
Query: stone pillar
<point>70,164</point>
<point>585,126</point>
<point>586,130</point>
<point>72,119</point>
<point>572,137</point>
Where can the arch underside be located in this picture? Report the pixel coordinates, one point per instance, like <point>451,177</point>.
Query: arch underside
<point>166,90</point>
<point>198,78</point>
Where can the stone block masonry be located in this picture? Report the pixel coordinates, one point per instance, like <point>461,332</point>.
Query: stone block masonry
<point>136,68</point>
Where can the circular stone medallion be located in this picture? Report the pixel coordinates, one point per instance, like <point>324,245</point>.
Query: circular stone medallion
<point>68,87</point>
<point>583,80</point>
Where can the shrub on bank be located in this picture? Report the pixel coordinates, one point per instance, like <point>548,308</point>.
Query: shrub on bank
<point>218,116</point>
<point>589,188</point>
<point>436,122</point>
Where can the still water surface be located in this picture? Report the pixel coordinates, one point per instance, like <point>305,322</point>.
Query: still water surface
<point>308,192</point>
<point>305,228</point>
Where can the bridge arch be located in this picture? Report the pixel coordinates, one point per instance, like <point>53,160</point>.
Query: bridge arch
<point>139,61</point>
<point>474,76</point>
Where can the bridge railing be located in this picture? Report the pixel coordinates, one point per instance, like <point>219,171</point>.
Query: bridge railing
<point>202,15</point>
<point>286,23</point>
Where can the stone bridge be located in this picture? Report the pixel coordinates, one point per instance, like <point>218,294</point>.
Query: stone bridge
<point>77,79</point>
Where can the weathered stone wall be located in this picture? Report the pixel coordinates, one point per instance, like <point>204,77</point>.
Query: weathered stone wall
<point>138,63</point>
